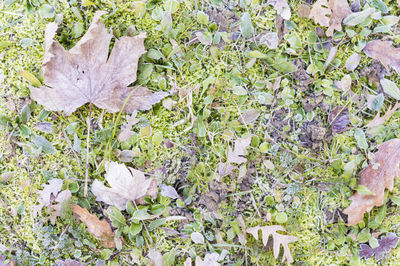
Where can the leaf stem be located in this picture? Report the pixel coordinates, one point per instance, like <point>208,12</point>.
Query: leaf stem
<point>87,149</point>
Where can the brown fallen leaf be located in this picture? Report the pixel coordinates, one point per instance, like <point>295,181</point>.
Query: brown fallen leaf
<point>384,51</point>
<point>47,195</point>
<point>277,238</point>
<point>339,119</point>
<point>98,228</point>
<point>55,209</point>
<point>398,3</point>
<point>376,177</point>
<point>330,14</point>
<point>126,129</point>
<point>304,11</point>
<point>340,10</point>
<point>281,7</point>
<point>379,120</point>
<point>234,156</point>
<point>127,184</point>
<point>86,74</point>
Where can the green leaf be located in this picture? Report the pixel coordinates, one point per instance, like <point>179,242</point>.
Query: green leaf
<point>116,217</point>
<point>47,11</point>
<point>395,200</point>
<point>4,120</point>
<point>77,29</point>
<point>359,135</point>
<point>281,217</point>
<point>135,229</point>
<point>141,215</point>
<point>44,144</point>
<point>358,17</point>
<point>202,18</point>
<point>363,190</point>
<point>25,114</point>
<point>390,88</point>
<point>156,223</point>
<point>246,26</point>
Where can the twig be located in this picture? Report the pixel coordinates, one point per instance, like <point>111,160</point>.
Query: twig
<point>87,149</point>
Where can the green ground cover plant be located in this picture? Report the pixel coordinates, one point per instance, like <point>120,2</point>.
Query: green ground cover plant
<point>244,133</point>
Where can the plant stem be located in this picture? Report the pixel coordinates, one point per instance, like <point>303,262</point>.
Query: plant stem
<point>87,149</point>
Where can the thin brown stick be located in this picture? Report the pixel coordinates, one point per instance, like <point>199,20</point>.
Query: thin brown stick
<point>87,150</point>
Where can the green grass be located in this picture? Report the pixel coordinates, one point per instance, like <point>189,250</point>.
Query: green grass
<point>307,185</point>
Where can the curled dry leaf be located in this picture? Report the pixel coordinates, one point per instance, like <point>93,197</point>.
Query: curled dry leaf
<point>330,14</point>
<point>379,120</point>
<point>281,7</point>
<point>127,184</point>
<point>278,239</point>
<point>376,178</point>
<point>98,228</point>
<point>385,244</point>
<point>234,156</point>
<point>384,51</point>
<point>86,74</point>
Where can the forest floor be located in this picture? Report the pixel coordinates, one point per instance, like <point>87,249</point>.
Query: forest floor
<point>265,124</point>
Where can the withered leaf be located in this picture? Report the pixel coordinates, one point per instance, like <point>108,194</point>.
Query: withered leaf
<point>339,119</point>
<point>249,116</point>
<point>330,14</point>
<point>86,73</point>
<point>234,156</point>
<point>209,260</point>
<point>156,258</point>
<point>376,177</point>
<point>68,262</point>
<point>98,228</point>
<point>385,244</point>
<point>127,184</point>
<point>384,51</point>
<point>379,120</point>
<point>47,195</point>
<point>281,7</point>
<point>55,209</point>
<point>126,129</point>
<point>277,238</point>
<point>352,62</point>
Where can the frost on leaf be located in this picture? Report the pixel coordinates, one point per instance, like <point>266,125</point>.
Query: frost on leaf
<point>385,244</point>
<point>209,260</point>
<point>281,7</point>
<point>234,156</point>
<point>278,239</point>
<point>127,184</point>
<point>384,51</point>
<point>96,227</point>
<point>376,178</point>
<point>86,73</point>
<point>47,195</point>
<point>330,14</point>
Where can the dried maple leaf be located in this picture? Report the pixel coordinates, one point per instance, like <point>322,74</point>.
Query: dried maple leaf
<point>384,51</point>
<point>320,13</point>
<point>47,195</point>
<point>385,244</point>
<point>127,184</point>
<point>98,228</point>
<point>281,7</point>
<point>330,14</point>
<point>278,239</point>
<point>234,156</point>
<point>86,74</point>
<point>376,177</point>
<point>379,120</point>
